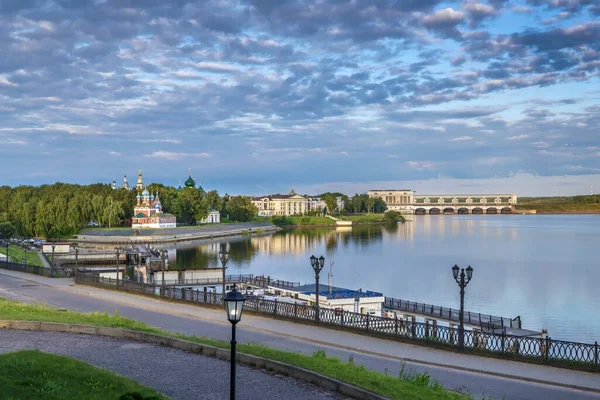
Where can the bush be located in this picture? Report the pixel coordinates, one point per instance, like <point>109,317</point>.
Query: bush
<point>281,221</point>
<point>392,216</point>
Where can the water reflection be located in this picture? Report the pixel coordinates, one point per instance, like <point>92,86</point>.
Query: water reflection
<point>539,267</point>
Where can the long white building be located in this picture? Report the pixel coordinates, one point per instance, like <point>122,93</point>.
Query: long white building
<point>407,201</point>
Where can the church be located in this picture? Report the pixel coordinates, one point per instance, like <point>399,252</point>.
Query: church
<point>148,212</point>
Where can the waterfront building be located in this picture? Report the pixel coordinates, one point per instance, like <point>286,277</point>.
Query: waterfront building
<point>213,217</point>
<point>407,201</point>
<point>148,212</point>
<point>291,204</point>
<point>336,298</point>
<point>281,204</point>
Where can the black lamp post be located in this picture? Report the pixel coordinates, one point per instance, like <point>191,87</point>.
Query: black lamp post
<point>76,258</point>
<point>462,280</point>
<point>234,304</point>
<point>224,257</point>
<point>163,257</point>
<point>317,264</point>
<point>118,250</point>
<point>7,244</point>
<point>53,265</point>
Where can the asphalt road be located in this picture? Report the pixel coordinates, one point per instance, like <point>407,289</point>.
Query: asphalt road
<point>478,384</point>
<point>175,373</point>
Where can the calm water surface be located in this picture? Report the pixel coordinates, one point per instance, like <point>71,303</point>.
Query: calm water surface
<point>541,267</point>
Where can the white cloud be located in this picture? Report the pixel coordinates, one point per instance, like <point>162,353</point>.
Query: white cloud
<point>173,156</point>
<point>517,137</point>
<point>461,138</point>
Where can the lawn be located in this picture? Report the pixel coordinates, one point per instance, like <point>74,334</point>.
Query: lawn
<point>403,386</point>
<point>16,253</point>
<point>365,218</point>
<point>31,374</point>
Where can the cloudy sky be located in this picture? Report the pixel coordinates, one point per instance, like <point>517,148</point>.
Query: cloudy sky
<point>257,96</point>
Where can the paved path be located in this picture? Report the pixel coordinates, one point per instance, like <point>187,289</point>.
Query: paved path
<point>200,229</point>
<point>175,373</point>
<point>375,354</point>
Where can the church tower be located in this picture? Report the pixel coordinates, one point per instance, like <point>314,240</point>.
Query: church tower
<point>125,184</point>
<point>140,182</point>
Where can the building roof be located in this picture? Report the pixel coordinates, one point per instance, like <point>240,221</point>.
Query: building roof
<point>275,196</point>
<point>190,182</point>
<point>336,292</point>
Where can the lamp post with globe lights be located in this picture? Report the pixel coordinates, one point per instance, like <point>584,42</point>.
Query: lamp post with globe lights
<point>463,280</point>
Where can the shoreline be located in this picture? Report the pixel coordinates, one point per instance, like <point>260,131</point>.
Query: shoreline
<point>174,237</point>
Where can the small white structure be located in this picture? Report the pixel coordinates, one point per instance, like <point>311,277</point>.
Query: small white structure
<point>337,298</point>
<point>58,248</point>
<point>214,217</point>
<point>3,257</point>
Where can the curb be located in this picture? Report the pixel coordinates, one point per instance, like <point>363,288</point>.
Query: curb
<point>198,348</point>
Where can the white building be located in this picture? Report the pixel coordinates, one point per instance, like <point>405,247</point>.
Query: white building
<point>214,217</point>
<point>337,298</point>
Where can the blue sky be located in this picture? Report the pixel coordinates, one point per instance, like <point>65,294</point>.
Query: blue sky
<point>258,96</point>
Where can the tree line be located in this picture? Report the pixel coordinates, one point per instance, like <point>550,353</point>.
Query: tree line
<point>61,210</point>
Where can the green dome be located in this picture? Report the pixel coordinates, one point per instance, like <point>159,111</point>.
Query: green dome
<point>190,182</point>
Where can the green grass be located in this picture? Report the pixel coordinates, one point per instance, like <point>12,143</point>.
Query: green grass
<point>31,374</point>
<point>402,386</point>
<point>558,208</point>
<point>16,253</point>
<point>365,218</point>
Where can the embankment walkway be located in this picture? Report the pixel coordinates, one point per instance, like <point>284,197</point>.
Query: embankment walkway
<point>480,375</point>
<point>211,231</point>
<point>175,373</point>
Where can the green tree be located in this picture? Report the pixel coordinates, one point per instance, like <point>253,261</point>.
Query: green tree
<point>213,200</point>
<point>392,216</point>
<point>240,208</point>
<point>330,202</point>
<point>7,230</point>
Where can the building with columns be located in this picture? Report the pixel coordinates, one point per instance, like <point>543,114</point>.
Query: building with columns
<point>281,204</point>
<point>407,201</point>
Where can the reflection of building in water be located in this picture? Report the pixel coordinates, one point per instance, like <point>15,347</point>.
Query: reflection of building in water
<point>288,243</point>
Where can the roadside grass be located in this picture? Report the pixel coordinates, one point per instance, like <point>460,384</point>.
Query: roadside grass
<point>17,253</point>
<point>406,385</point>
<point>31,374</point>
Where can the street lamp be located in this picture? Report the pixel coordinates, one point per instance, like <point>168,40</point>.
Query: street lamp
<point>462,281</point>
<point>317,264</point>
<point>7,243</point>
<point>163,255</point>
<point>224,257</point>
<point>53,265</point>
<point>234,304</point>
<point>118,250</point>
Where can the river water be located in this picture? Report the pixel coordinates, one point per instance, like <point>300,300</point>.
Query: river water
<point>542,267</point>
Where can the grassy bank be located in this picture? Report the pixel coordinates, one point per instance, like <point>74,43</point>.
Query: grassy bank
<point>31,374</point>
<point>404,385</point>
<point>561,208</point>
<point>561,204</point>
<point>16,253</point>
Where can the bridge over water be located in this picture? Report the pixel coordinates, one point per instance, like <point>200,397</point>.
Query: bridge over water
<point>407,201</point>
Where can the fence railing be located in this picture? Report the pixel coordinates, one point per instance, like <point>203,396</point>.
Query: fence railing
<point>57,272</point>
<point>539,350</point>
<point>255,280</point>
<point>483,320</point>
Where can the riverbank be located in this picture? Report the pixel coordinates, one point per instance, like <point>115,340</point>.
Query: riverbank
<point>109,236</point>
<point>560,208</point>
<point>321,222</point>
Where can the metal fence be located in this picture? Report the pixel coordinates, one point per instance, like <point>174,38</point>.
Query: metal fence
<point>451,314</point>
<point>57,272</point>
<point>255,280</point>
<point>539,350</point>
